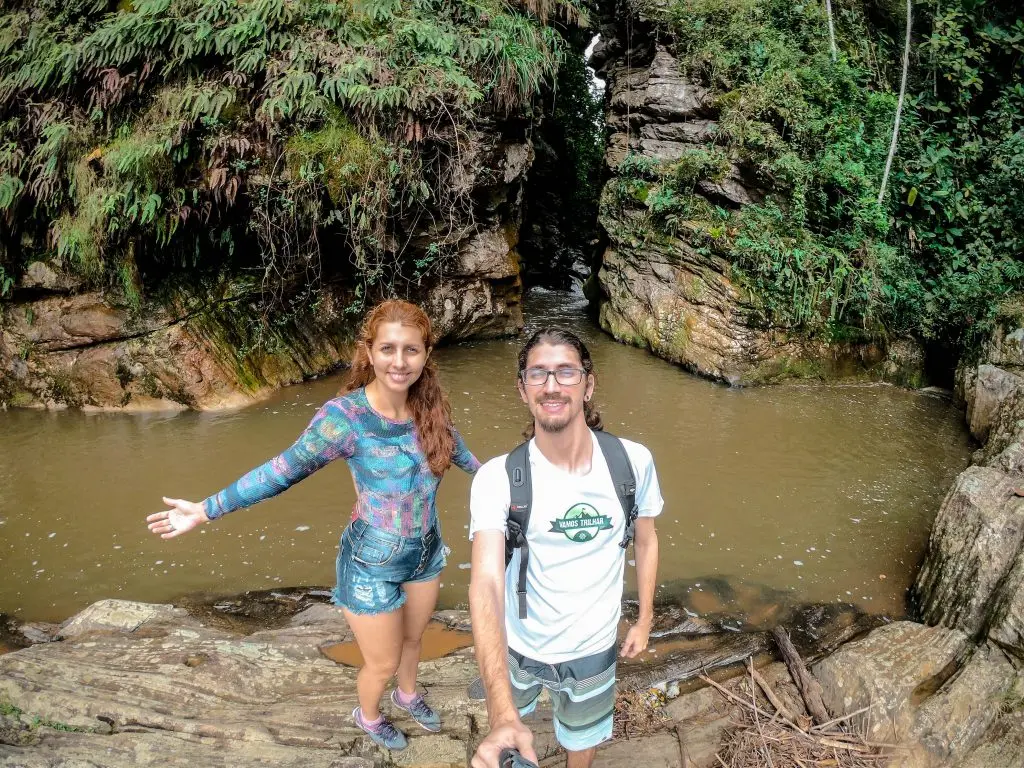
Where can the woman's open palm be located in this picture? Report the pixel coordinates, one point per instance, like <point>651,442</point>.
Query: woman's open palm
<point>181,518</point>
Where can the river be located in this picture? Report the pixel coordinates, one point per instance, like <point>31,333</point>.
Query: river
<point>790,494</point>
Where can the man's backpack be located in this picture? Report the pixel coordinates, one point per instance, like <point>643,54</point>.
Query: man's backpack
<point>517,466</point>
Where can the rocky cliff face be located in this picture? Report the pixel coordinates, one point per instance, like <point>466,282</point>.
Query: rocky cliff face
<point>660,291</point>
<point>65,344</point>
<point>972,578</point>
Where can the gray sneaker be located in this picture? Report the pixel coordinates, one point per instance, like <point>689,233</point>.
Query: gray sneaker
<point>385,734</point>
<point>420,711</point>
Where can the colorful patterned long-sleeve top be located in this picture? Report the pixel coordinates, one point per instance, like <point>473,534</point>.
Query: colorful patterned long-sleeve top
<point>395,488</point>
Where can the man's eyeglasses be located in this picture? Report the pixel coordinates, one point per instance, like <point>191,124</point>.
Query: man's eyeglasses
<point>538,377</point>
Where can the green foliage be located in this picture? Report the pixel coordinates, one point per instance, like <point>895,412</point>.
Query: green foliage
<point>8,709</point>
<point>170,134</point>
<point>806,128</point>
<point>579,116</point>
<point>6,283</point>
<point>958,200</point>
<point>818,252</point>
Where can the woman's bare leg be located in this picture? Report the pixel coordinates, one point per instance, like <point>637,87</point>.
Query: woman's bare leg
<point>421,599</point>
<point>380,642</point>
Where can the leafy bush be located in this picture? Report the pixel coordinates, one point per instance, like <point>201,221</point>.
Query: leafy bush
<point>176,134</point>
<point>959,208</point>
<point>811,134</point>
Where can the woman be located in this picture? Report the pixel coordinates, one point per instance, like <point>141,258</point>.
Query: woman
<point>392,424</point>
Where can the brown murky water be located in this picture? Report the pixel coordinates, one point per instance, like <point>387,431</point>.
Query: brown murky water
<point>438,641</point>
<point>794,493</point>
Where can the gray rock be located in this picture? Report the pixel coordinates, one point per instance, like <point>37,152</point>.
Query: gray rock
<point>1006,625</point>
<point>886,671</point>
<point>952,720</point>
<point>697,131</point>
<point>991,388</point>
<point>39,275</point>
<point>731,191</point>
<point>926,688</point>
<point>669,96</point>
<point>80,750</point>
<point>177,693</point>
<point>973,546</point>
<point>1002,748</point>
<point>38,632</point>
<point>116,616</point>
<point>1005,348</point>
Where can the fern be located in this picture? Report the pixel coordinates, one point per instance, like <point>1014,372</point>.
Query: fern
<point>169,127</point>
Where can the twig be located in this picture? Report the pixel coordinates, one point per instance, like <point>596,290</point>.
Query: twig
<point>823,726</point>
<point>728,693</point>
<point>774,699</point>
<point>757,720</point>
<point>827,742</point>
<point>809,688</point>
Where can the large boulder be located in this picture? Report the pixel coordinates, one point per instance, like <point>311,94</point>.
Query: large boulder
<point>925,688</point>
<point>974,544</point>
<point>972,577</point>
<point>991,388</point>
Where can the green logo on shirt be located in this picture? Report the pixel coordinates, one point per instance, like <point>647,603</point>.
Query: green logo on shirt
<point>581,523</point>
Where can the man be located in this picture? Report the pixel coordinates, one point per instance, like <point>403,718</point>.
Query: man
<point>566,642</point>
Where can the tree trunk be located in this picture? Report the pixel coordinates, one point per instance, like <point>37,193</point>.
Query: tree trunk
<point>899,108</point>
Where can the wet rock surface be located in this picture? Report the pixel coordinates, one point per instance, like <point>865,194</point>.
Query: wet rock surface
<point>975,541</point>
<point>173,682</point>
<point>927,688</point>
<point>134,684</point>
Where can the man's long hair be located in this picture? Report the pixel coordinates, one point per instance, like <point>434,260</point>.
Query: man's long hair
<point>431,412</point>
<point>557,337</point>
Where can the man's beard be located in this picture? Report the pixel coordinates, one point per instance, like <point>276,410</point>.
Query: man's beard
<point>553,424</point>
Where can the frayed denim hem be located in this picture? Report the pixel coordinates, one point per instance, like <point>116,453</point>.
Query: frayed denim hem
<point>362,611</point>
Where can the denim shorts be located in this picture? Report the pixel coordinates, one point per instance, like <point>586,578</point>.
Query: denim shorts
<point>374,564</point>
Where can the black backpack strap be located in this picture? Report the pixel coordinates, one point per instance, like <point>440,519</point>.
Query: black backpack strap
<point>517,466</point>
<point>621,470</point>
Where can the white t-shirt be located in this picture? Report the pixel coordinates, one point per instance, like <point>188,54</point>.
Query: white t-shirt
<point>575,573</point>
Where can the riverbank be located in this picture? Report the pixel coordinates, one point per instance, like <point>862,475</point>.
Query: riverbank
<point>136,684</point>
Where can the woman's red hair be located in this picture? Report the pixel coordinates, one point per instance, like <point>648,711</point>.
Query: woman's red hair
<point>431,412</point>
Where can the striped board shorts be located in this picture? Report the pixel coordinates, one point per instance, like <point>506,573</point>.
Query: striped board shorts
<point>582,695</point>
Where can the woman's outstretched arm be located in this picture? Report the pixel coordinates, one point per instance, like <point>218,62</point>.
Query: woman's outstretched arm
<point>329,436</point>
<point>463,458</point>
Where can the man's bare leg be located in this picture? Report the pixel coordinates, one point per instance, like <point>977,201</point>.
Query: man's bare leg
<point>581,759</point>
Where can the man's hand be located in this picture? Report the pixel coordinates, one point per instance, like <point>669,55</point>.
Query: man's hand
<point>636,639</point>
<point>512,734</point>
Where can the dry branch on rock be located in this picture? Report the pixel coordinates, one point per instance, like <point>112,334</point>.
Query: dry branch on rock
<point>767,734</point>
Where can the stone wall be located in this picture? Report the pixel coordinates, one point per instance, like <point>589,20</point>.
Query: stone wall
<point>63,343</point>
